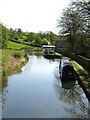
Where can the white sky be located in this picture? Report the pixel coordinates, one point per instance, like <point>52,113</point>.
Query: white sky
<point>32,15</point>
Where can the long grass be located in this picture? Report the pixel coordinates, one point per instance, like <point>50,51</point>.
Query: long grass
<point>8,55</point>
<point>77,67</point>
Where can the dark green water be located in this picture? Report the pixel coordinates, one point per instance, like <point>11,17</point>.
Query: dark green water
<point>37,92</point>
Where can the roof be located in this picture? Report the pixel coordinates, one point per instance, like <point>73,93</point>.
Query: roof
<point>66,61</point>
<point>48,46</point>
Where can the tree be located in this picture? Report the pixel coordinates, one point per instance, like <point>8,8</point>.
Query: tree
<point>44,41</point>
<point>50,37</point>
<point>51,34</point>
<point>5,36</point>
<point>37,39</point>
<point>70,24</point>
<point>13,34</point>
<point>75,24</point>
<point>30,37</point>
<point>83,8</point>
<point>19,32</point>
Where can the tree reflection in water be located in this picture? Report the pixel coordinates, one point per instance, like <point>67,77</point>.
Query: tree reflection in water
<point>4,89</point>
<point>5,84</point>
<point>72,94</point>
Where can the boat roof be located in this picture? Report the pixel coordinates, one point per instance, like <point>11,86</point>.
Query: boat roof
<point>66,61</point>
<point>48,46</point>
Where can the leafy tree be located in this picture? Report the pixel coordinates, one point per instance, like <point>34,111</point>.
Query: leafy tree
<point>19,32</point>
<point>13,34</point>
<point>30,37</point>
<point>83,9</point>
<point>70,22</point>
<point>42,34</point>
<point>5,36</point>
<point>37,39</point>
<point>44,41</point>
<point>51,37</point>
<point>75,24</point>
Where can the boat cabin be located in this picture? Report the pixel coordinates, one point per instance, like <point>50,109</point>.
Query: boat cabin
<point>48,49</point>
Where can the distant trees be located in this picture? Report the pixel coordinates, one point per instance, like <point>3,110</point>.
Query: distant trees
<point>37,39</point>
<point>19,32</point>
<point>50,36</point>
<point>44,41</point>
<point>41,38</point>
<point>9,34</point>
<point>75,24</point>
<point>12,34</point>
<point>15,34</point>
<point>30,37</point>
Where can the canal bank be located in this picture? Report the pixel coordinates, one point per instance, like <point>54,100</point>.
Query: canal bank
<point>12,61</point>
<point>37,92</point>
<point>82,74</point>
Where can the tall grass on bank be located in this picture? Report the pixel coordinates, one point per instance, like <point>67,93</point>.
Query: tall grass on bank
<point>8,55</point>
<point>18,54</point>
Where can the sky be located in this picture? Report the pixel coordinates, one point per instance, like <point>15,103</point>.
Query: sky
<point>32,15</point>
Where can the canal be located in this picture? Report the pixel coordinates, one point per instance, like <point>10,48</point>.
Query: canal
<point>37,92</point>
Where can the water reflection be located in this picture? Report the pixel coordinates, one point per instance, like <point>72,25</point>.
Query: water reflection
<point>71,93</point>
<point>34,95</point>
<point>38,54</point>
<point>4,89</point>
<point>68,84</point>
<point>5,78</point>
<point>5,84</point>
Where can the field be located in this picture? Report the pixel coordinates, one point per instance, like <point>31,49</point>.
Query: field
<point>14,45</point>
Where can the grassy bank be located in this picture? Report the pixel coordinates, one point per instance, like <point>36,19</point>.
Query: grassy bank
<point>83,74</point>
<point>14,45</point>
<point>12,60</point>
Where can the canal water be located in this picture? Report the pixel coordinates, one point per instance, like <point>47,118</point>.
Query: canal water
<point>37,92</point>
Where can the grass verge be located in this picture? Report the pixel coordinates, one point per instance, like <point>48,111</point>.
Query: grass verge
<point>11,60</point>
<point>83,74</point>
